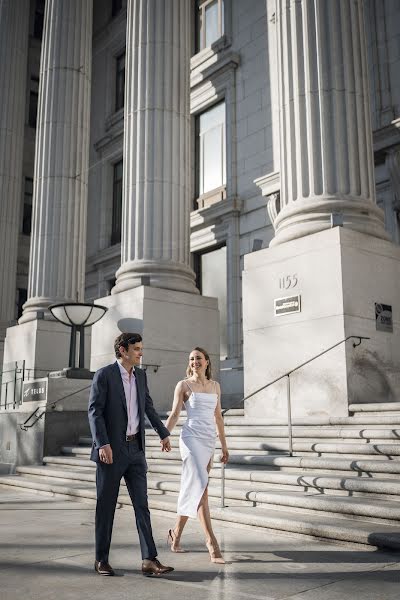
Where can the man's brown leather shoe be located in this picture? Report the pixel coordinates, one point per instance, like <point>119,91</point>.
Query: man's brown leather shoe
<point>154,567</point>
<point>103,568</point>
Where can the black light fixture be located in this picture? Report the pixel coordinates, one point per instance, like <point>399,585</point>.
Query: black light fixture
<point>77,315</point>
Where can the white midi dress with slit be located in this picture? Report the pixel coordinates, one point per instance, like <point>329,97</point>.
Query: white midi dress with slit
<point>197,446</point>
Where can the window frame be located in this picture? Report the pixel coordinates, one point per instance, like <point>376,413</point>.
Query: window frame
<point>206,198</point>
<point>200,18</point>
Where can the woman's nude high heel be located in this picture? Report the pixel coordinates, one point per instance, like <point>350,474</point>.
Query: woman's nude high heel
<point>171,541</point>
<point>215,553</point>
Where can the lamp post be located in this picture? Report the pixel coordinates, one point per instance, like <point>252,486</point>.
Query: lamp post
<point>77,315</point>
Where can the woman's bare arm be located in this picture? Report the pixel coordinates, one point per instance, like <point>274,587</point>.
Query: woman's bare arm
<point>177,405</point>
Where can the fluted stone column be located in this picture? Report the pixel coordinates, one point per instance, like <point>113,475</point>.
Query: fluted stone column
<point>327,165</point>
<point>156,182</point>
<point>58,240</point>
<point>14,18</point>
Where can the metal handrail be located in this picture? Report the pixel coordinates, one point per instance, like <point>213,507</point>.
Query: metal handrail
<point>17,370</point>
<point>289,408</point>
<point>24,425</point>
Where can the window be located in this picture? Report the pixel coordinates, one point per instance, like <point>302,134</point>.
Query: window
<point>22,298</point>
<point>211,151</point>
<point>117,204</point>
<point>27,214</point>
<point>120,82</point>
<point>33,101</point>
<point>116,7</point>
<point>211,273</point>
<point>39,19</point>
<point>210,22</point>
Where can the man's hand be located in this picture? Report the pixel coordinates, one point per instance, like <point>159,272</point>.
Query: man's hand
<point>106,455</point>
<point>165,445</point>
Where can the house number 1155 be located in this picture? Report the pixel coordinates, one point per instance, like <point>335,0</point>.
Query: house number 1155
<point>288,281</point>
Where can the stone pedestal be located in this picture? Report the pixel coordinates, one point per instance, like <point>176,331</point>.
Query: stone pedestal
<point>339,274</point>
<point>172,323</point>
<point>61,423</point>
<point>43,344</point>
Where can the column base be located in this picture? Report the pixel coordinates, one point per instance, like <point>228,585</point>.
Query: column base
<point>311,215</point>
<point>339,275</point>
<point>172,323</point>
<point>40,305</point>
<point>167,275</point>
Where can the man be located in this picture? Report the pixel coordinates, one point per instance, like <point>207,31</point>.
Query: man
<point>119,399</point>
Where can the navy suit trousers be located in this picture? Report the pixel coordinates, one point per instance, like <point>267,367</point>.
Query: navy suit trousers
<point>131,465</point>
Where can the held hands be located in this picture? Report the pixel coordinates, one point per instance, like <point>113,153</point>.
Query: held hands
<point>106,455</point>
<point>224,456</point>
<point>165,445</point>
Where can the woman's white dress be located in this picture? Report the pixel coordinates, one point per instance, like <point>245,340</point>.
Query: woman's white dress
<point>197,446</point>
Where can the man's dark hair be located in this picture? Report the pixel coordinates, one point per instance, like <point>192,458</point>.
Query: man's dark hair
<point>124,339</point>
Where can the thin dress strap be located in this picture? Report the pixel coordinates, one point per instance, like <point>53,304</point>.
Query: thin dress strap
<point>188,386</point>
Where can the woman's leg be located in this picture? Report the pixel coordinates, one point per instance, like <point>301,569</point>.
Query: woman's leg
<point>205,518</point>
<point>175,533</point>
<point>204,515</point>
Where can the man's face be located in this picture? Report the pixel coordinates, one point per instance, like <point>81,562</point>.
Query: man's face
<point>133,354</point>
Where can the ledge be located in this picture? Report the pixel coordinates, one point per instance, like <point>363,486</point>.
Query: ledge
<point>212,61</point>
<point>104,255</point>
<point>206,216</point>
<point>269,184</point>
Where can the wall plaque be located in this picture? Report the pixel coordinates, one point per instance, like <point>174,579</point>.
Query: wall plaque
<point>290,304</point>
<point>383,317</point>
<point>35,389</point>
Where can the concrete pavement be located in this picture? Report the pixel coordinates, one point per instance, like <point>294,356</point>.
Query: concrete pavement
<point>46,553</point>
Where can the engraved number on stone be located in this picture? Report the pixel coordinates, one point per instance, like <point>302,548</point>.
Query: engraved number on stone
<point>288,281</point>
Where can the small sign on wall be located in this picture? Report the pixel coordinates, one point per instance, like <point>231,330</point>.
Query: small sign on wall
<point>383,317</point>
<point>290,304</point>
<point>35,390</point>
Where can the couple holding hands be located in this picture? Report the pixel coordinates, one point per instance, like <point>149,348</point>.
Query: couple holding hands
<point>119,400</point>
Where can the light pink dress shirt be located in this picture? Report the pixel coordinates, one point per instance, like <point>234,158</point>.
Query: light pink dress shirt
<point>130,390</point>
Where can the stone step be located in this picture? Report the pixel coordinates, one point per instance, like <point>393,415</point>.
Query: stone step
<point>363,467</point>
<point>375,407</point>
<point>317,525</point>
<point>280,434</point>
<point>310,434</point>
<point>347,448</point>
<point>306,480</point>
<point>346,506</point>
<point>248,472</point>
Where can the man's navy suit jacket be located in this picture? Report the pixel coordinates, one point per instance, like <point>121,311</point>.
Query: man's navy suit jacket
<point>108,415</point>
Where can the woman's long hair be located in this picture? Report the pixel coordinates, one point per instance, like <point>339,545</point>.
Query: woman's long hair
<point>189,371</point>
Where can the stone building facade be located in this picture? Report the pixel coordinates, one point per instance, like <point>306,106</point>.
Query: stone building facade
<point>157,143</point>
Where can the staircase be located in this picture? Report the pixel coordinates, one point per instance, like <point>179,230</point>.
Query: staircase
<point>341,484</point>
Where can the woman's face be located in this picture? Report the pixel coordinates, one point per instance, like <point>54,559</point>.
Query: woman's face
<point>198,362</point>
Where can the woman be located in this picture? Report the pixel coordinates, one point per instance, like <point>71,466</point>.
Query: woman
<point>202,399</point>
